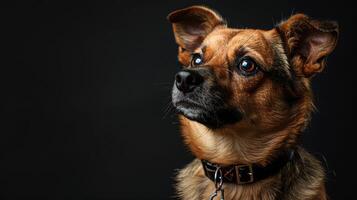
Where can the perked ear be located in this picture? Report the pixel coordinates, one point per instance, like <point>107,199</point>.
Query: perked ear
<point>308,42</point>
<point>191,25</point>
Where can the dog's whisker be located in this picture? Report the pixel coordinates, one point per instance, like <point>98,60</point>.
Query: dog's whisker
<point>169,108</point>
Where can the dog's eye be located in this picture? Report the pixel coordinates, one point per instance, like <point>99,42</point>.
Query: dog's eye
<point>247,66</point>
<point>196,59</point>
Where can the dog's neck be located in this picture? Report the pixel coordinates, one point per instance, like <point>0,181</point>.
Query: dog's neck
<point>231,148</point>
<point>228,146</point>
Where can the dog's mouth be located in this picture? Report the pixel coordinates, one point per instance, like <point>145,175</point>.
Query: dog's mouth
<point>214,117</point>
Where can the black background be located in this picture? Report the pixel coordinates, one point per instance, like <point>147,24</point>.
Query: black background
<point>85,87</point>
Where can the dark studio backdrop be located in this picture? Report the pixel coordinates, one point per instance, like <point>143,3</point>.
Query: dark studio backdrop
<point>85,87</point>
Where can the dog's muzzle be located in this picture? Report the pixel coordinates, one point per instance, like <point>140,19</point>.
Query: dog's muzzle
<point>197,95</point>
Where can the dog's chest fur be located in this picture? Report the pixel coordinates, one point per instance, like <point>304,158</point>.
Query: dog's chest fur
<point>302,179</point>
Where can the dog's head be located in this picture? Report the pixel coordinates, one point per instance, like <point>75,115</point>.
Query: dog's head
<point>255,78</point>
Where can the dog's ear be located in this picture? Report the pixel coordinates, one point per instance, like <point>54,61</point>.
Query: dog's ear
<point>191,25</point>
<point>308,42</point>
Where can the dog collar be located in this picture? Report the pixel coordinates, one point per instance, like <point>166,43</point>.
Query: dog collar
<point>248,173</point>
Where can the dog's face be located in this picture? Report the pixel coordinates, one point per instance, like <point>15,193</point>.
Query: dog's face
<point>246,77</point>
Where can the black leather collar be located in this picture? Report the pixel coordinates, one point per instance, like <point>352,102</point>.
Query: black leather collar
<point>245,174</point>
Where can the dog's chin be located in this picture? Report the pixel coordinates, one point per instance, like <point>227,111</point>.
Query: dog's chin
<point>192,112</point>
<point>213,119</point>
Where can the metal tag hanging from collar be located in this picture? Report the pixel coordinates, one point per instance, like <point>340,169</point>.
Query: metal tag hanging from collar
<point>218,184</point>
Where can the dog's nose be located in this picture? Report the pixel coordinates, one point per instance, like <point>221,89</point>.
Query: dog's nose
<point>187,80</point>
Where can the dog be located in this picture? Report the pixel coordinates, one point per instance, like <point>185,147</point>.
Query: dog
<point>243,97</point>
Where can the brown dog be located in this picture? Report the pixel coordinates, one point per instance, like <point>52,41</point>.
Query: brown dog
<point>244,97</point>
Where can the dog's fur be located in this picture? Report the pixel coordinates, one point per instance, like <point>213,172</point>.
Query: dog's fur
<point>274,104</point>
